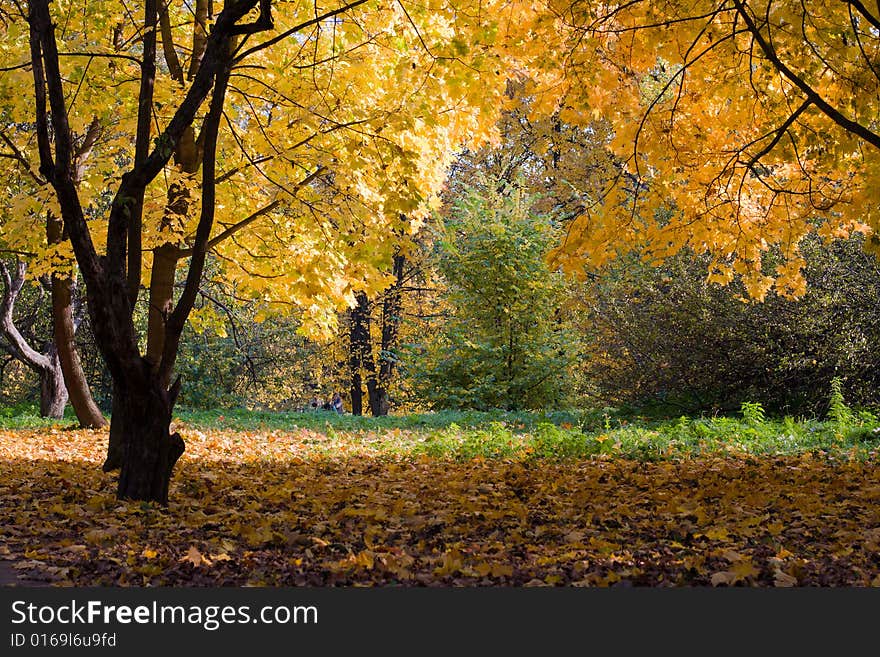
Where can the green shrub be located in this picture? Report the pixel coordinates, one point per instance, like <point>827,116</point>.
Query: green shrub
<point>752,413</point>
<point>838,411</point>
<point>494,441</point>
<point>665,337</point>
<point>552,442</point>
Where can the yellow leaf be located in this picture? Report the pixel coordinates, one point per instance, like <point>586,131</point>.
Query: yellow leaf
<point>195,557</point>
<point>716,534</point>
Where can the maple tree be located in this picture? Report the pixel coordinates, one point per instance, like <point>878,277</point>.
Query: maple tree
<point>285,145</point>
<point>739,125</point>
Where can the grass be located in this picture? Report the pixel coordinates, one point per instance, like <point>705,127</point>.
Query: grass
<point>540,435</point>
<point>247,420</point>
<point>27,416</point>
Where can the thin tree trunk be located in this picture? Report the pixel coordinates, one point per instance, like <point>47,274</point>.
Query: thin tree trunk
<point>391,310</point>
<point>53,393</point>
<point>87,411</point>
<point>354,361</point>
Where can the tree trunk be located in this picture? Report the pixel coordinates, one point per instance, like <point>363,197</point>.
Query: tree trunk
<point>391,310</point>
<point>116,439</point>
<point>77,386</point>
<point>149,450</point>
<point>356,391</point>
<point>53,392</point>
<point>162,278</point>
<point>361,357</point>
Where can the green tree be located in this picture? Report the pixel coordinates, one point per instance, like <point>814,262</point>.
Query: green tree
<point>504,343</point>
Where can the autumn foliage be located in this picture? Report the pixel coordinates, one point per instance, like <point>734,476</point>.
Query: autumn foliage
<point>332,507</point>
<point>287,155</point>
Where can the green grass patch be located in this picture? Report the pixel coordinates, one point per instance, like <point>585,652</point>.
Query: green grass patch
<point>552,436</point>
<point>248,420</point>
<point>27,416</point>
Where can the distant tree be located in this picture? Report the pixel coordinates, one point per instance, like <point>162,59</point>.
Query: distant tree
<point>503,343</point>
<point>51,354</point>
<point>362,345</point>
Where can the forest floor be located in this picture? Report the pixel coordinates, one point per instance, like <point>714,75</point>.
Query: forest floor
<point>509,502</point>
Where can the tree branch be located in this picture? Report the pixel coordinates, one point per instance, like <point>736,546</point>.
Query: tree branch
<point>295,29</point>
<point>18,345</point>
<point>868,16</point>
<point>824,106</point>
<point>19,157</point>
<point>141,152</point>
<point>778,134</point>
<point>210,133</point>
<point>168,49</point>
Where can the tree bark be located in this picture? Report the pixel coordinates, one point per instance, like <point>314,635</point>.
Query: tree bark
<point>53,392</point>
<point>77,386</point>
<point>150,450</point>
<point>162,280</point>
<point>391,310</point>
<point>117,434</point>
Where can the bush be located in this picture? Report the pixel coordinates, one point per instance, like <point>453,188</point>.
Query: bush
<point>552,442</point>
<point>666,337</point>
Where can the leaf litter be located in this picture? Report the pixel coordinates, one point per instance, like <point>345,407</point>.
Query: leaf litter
<point>291,508</point>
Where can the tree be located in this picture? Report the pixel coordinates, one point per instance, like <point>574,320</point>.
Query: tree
<point>362,359</point>
<point>291,145</point>
<point>565,166</point>
<point>45,361</point>
<point>740,126</point>
<point>57,362</point>
<point>504,343</point>
<point>59,367</point>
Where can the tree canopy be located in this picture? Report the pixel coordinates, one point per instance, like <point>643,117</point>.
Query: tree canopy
<point>291,149</point>
<point>739,125</point>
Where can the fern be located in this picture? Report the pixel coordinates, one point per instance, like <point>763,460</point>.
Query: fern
<point>753,413</point>
<point>838,411</point>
